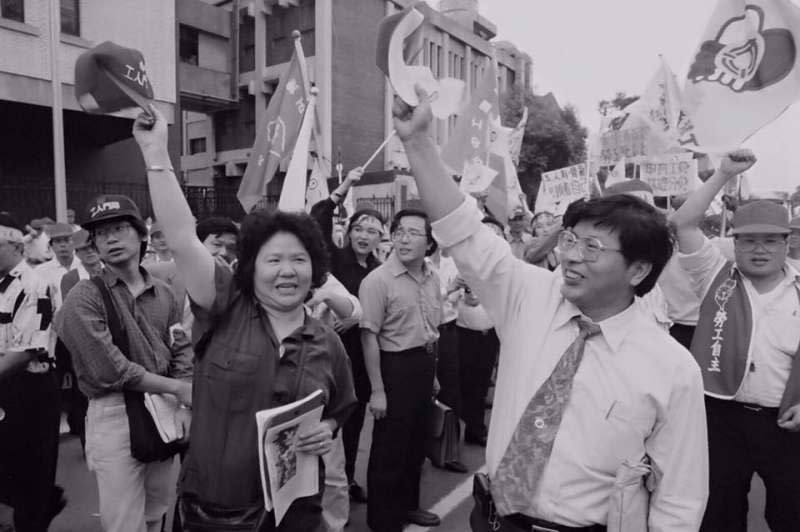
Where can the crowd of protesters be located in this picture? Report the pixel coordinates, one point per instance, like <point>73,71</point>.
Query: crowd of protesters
<point>677,370</point>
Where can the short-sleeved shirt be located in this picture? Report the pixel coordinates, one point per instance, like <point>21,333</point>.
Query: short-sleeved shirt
<point>402,310</point>
<point>25,315</point>
<point>241,369</point>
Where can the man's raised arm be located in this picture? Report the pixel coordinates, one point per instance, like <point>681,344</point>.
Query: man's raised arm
<point>438,192</point>
<point>172,211</point>
<point>687,219</point>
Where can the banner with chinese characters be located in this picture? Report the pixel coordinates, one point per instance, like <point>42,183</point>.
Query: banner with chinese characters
<point>671,175</point>
<point>561,187</point>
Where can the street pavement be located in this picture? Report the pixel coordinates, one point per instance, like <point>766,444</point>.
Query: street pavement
<point>443,492</point>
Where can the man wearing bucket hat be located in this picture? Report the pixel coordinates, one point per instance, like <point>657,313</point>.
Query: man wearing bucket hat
<point>29,402</point>
<point>746,344</point>
<point>134,496</point>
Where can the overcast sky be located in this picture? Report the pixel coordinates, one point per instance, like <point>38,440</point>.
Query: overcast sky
<point>587,50</point>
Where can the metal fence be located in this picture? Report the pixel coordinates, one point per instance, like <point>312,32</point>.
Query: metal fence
<point>27,202</point>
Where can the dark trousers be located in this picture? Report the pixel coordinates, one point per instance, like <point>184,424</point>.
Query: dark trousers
<point>478,355</point>
<point>683,334</point>
<point>351,431</point>
<point>73,401</point>
<point>29,447</point>
<point>397,453</point>
<point>447,367</point>
<point>743,441</point>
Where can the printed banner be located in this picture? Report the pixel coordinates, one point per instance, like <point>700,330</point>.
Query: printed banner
<point>561,187</point>
<point>670,176</point>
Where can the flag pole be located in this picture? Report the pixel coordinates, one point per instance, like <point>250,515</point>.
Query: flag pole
<point>59,168</point>
<point>376,152</point>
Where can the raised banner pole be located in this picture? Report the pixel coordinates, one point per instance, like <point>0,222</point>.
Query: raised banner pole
<point>59,167</point>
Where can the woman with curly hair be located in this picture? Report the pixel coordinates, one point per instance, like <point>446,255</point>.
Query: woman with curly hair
<point>259,349</point>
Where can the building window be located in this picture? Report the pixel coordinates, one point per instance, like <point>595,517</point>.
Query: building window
<point>13,10</point>
<point>71,17</point>
<point>188,44</point>
<point>197,145</point>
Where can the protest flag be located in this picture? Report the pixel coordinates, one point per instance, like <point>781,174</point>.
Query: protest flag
<point>516,135</point>
<point>317,183</point>
<point>745,72</point>
<point>467,151</point>
<point>276,137</point>
<point>504,195</point>
<point>399,42</point>
<point>293,193</point>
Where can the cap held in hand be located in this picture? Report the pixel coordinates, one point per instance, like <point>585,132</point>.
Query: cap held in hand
<point>110,77</point>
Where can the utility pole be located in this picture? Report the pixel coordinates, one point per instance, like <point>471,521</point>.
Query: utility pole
<point>59,167</point>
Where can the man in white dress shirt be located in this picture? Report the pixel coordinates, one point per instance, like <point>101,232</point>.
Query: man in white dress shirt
<point>622,391</point>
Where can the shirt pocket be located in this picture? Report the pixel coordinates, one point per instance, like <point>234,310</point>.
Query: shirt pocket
<point>621,432</point>
<point>783,332</point>
<point>230,379</point>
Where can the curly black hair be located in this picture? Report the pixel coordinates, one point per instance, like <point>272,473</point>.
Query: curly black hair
<point>261,225</point>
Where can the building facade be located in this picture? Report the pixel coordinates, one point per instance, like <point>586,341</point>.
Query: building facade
<point>222,108</point>
<point>99,151</point>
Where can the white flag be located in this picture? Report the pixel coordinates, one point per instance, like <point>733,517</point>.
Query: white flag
<point>293,193</point>
<point>317,184</point>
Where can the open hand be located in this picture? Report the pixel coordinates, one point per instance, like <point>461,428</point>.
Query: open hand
<point>412,121</point>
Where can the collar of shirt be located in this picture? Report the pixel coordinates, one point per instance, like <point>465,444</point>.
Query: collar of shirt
<point>112,278</point>
<point>309,329</point>
<point>397,268</point>
<point>614,329</point>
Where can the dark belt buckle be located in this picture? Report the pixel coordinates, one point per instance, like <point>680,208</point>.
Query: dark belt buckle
<point>430,348</point>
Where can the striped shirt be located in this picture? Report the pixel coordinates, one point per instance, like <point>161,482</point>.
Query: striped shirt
<point>25,315</point>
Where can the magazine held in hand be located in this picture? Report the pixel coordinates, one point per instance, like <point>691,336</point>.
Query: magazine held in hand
<point>287,475</point>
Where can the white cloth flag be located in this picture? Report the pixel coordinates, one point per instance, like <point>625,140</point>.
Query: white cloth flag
<point>317,184</point>
<point>745,72</point>
<point>293,193</point>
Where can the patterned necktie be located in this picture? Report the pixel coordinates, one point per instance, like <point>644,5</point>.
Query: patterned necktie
<point>517,477</point>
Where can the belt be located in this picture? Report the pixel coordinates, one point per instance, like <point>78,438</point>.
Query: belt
<point>752,407</point>
<point>449,325</point>
<point>533,524</point>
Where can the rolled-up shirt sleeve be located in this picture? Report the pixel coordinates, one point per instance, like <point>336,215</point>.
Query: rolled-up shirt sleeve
<point>82,326</point>
<point>485,261</point>
<point>702,266</point>
<point>678,448</point>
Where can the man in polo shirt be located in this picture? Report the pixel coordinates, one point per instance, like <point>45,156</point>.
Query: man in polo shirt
<point>402,307</point>
<point>587,384</point>
<point>29,402</point>
<point>134,496</point>
<point>747,345</point>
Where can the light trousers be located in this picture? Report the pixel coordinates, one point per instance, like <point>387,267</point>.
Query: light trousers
<point>336,497</point>
<point>134,496</point>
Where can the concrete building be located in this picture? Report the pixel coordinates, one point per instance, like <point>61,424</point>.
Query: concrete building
<point>100,154</point>
<point>223,106</point>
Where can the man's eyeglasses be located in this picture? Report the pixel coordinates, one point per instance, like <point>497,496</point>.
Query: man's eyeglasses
<point>410,233</point>
<point>589,248</point>
<point>771,244</point>
<point>117,230</point>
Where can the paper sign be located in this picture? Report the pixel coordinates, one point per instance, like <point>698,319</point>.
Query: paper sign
<point>623,143</point>
<point>565,185</point>
<point>669,176</point>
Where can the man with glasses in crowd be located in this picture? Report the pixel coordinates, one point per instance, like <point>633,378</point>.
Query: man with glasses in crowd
<point>402,308</point>
<point>746,344</point>
<point>623,391</point>
<point>134,496</point>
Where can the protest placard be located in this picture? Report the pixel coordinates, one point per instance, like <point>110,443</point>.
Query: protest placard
<point>670,175</point>
<point>561,187</point>
<point>623,143</point>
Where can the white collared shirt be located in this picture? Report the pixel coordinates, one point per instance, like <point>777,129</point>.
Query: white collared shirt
<point>52,271</point>
<point>636,392</point>
<point>776,325</point>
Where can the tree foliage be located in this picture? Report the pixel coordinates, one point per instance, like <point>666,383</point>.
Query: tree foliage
<point>619,102</point>
<point>554,137</point>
